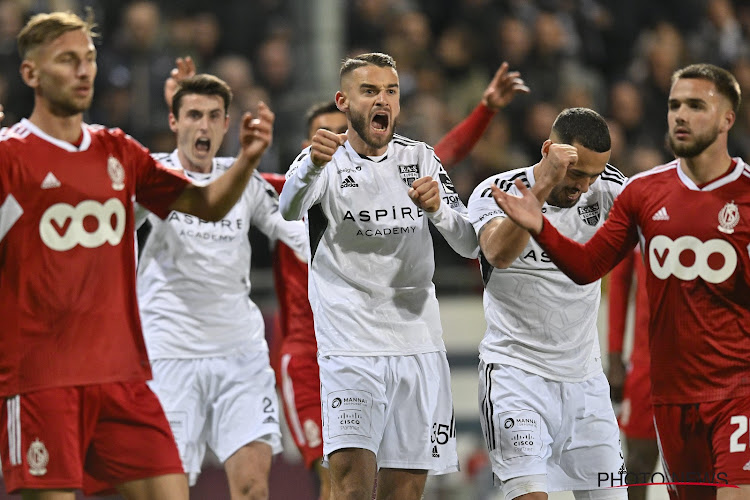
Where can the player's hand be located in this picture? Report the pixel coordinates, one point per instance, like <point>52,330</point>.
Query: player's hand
<point>324,145</point>
<point>256,133</point>
<point>503,88</point>
<point>185,68</point>
<point>524,210</point>
<point>425,194</point>
<point>556,160</point>
<point>2,114</point>
<point>616,377</point>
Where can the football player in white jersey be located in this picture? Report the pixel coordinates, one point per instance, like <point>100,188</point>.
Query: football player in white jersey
<point>544,399</point>
<point>205,337</point>
<point>368,195</point>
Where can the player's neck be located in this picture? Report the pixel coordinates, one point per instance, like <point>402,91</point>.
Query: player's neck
<point>188,165</point>
<point>707,166</point>
<point>67,128</point>
<point>361,147</point>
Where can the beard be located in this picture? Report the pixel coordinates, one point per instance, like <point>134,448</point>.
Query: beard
<point>683,150</point>
<point>361,126</point>
<point>558,197</point>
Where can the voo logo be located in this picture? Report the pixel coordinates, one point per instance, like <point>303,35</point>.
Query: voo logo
<point>61,227</point>
<point>665,258</point>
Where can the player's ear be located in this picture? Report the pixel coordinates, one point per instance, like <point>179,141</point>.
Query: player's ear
<point>29,73</point>
<point>173,122</point>
<point>727,120</point>
<point>545,147</point>
<point>342,102</point>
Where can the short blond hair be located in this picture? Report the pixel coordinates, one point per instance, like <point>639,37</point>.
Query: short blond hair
<point>43,28</point>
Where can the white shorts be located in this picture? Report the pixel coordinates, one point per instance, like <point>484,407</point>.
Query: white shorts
<point>532,425</point>
<point>223,402</point>
<point>398,407</point>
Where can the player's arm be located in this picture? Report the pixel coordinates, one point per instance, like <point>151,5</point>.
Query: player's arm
<point>583,263</point>
<point>453,224</point>
<point>265,216</point>
<point>620,280</point>
<point>457,143</point>
<point>304,182</point>
<point>214,200</point>
<point>501,239</point>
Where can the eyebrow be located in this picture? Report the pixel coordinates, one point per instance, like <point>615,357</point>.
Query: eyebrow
<point>373,86</point>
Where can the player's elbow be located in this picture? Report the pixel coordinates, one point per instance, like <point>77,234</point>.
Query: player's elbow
<point>497,259</point>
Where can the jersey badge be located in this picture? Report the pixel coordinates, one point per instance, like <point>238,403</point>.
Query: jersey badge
<point>116,173</point>
<point>408,173</point>
<point>38,458</point>
<point>729,216</point>
<point>590,214</point>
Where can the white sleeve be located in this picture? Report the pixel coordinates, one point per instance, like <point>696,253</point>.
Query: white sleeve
<point>141,215</point>
<point>266,216</point>
<point>451,219</point>
<point>482,206</point>
<point>304,186</point>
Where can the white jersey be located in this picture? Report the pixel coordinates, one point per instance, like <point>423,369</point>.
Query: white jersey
<point>372,259</point>
<point>193,279</point>
<point>538,319</point>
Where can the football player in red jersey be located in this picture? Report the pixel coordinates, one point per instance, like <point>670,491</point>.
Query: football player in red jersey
<point>691,218</point>
<point>73,365</point>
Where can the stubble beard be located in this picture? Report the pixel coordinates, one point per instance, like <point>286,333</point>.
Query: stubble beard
<point>360,124</point>
<point>700,144</point>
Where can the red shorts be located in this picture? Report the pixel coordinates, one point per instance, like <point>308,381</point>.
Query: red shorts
<point>299,380</point>
<point>637,415</point>
<point>705,442</point>
<point>112,433</point>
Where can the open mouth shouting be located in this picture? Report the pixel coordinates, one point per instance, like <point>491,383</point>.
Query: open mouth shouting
<point>203,145</point>
<point>380,122</point>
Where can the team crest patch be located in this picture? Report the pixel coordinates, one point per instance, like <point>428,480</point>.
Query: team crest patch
<point>590,214</point>
<point>729,216</point>
<point>116,173</point>
<point>408,173</point>
<point>38,458</point>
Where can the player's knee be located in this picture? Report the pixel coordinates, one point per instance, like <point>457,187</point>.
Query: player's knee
<point>524,485</point>
<point>252,489</point>
<point>602,494</point>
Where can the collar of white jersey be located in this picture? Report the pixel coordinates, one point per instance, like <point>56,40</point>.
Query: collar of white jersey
<point>358,158</point>
<point>85,143</point>
<point>721,181</point>
<point>197,177</point>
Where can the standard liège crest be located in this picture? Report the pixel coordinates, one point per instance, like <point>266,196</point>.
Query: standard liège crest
<point>38,458</point>
<point>590,214</point>
<point>116,173</point>
<point>408,173</point>
<point>729,216</point>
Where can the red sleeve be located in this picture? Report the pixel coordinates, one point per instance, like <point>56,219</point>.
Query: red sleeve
<point>276,180</point>
<point>602,252</point>
<point>457,143</point>
<point>157,186</point>
<point>620,280</point>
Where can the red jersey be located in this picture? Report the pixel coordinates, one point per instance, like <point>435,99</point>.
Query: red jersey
<point>290,279</point>
<point>67,256</point>
<point>620,281</point>
<point>697,247</point>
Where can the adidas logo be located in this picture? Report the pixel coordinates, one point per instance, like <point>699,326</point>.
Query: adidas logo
<point>435,453</point>
<point>661,214</point>
<point>50,181</point>
<point>270,420</point>
<point>746,466</point>
<point>349,183</point>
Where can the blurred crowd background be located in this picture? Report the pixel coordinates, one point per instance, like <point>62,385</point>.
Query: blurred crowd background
<point>611,55</point>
